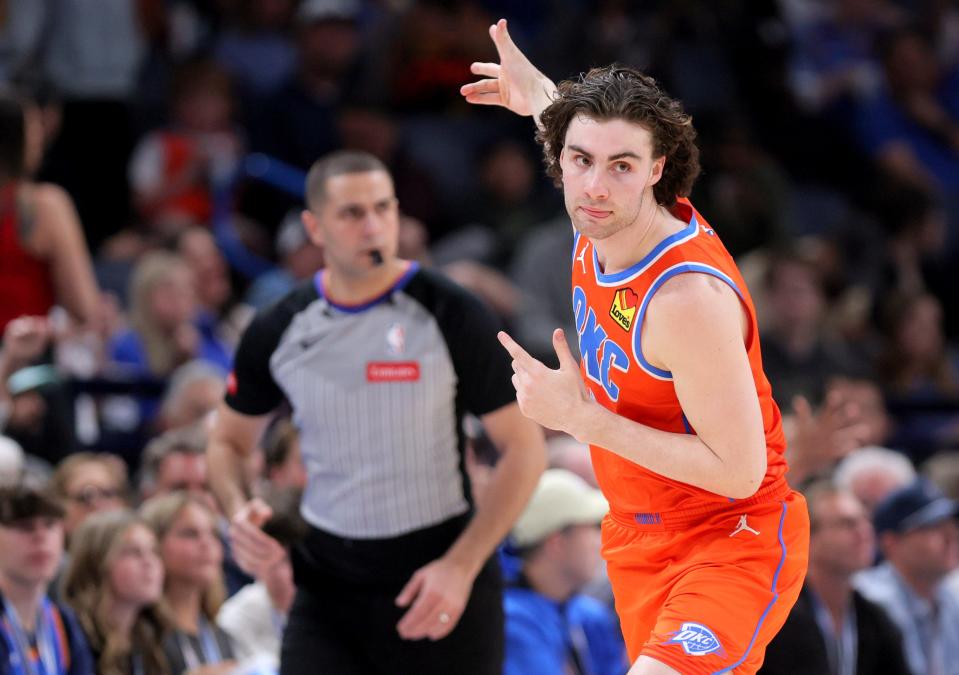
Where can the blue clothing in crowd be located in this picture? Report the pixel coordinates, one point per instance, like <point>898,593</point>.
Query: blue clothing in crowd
<point>127,348</point>
<point>548,637</point>
<point>56,658</point>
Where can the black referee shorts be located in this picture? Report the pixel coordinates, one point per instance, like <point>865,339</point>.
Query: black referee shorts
<point>343,620</point>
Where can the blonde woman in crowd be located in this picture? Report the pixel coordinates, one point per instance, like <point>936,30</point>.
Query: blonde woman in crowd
<point>114,583</point>
<point>86,483</point>
<point>193,589</point>
<point>164,310</point>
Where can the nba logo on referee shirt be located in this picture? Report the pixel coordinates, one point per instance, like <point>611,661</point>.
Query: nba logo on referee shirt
<point>696,639</point>
<point>396,339</point>
<point>624,307</point>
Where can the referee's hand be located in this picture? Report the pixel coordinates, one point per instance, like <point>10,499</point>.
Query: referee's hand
<point>253,549</point>
<point>436,595</point>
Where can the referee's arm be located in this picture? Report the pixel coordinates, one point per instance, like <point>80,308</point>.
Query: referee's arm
<point>442,587</point>
<point>230,444</point>
<point>251,395</point>
<point>228,450</point>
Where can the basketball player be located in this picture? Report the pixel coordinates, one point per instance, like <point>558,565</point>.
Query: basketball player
<point>705,542</point>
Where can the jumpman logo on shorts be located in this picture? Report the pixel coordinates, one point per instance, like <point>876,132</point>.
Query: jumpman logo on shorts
<point>743,527</point>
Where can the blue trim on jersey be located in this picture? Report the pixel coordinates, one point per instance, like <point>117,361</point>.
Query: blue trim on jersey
<point>398,285</point>
<point>682,268</point>
<point>779,567</point>
<point>633,270</point>
<point>572,257</point>
<point>686,424</point>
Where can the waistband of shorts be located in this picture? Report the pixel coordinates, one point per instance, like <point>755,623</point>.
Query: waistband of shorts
<point>683,518</point>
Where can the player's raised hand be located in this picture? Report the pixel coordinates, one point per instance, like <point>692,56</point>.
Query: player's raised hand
<point>514,83</point>
<point>552,398</point>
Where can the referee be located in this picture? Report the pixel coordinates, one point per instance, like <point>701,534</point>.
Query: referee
<point>380,360</point>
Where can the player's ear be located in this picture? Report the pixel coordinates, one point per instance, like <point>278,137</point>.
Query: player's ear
<point>659,165</point>
<point>312,227</point>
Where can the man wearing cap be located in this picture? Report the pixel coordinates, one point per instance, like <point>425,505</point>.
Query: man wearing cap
<point>833,629</point>
<point>550,628</point>
<point>919,538</point>
<point>38,635</point>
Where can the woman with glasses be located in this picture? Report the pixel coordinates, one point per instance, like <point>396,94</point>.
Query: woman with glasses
<point>86,483</point>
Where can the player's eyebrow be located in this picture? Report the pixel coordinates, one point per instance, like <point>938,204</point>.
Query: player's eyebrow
<point>612,158</point>
<point>623,155</point>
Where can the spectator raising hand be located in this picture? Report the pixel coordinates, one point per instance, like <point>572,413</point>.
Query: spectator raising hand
<point>817,439</point>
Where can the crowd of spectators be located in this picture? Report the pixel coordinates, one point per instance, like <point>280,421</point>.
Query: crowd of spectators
<point>151,174</point>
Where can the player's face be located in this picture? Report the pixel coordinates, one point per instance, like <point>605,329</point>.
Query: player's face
<point>608,174</point>
<point>359,215</point>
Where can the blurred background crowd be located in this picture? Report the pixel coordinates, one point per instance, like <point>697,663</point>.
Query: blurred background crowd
<point>152,156</point>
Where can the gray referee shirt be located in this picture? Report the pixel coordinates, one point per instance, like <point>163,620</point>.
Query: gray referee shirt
<point>378,391</point>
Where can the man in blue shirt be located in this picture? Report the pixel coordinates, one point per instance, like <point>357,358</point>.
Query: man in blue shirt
<point>919,538</point>
<point>550,627</point>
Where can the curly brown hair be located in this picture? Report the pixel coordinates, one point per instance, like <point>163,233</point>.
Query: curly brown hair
<point>619,92</point>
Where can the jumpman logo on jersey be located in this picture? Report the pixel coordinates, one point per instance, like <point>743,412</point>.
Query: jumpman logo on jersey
<point>581,258</point>
<point>743,527</point>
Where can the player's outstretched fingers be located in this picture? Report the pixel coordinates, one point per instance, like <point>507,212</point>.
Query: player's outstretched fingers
<point>485,69</point>
<point>505,46</point>
<point>484,92</point>
<point>566,359</point>
<point>520,355</point>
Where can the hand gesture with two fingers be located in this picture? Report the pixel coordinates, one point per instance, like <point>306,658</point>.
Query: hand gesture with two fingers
<point>553,398</point>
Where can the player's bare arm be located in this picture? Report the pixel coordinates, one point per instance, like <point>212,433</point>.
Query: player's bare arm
<point>694,328</point>
<point>443,586</point>
<point>514,83</point>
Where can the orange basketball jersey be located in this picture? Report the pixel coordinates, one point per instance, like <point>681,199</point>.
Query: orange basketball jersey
<point>609,311</point>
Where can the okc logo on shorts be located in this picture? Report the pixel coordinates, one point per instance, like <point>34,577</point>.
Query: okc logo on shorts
<point>696,639</point>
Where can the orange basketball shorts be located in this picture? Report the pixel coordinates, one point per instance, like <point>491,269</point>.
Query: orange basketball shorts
<point>705,591</point>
